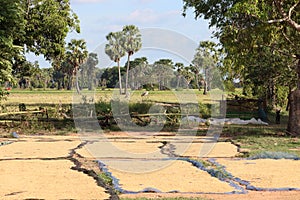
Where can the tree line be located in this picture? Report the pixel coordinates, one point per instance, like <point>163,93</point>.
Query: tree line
<point>163,74</point>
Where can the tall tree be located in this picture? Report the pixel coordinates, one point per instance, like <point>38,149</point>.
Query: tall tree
<point>12,25</point>
<point>206,59</point>
<point>265,30</point>
<point>188,75</point>
<point>38,26</point>
<point>163,69</point>
<point>89,69</point>
<point>138,69</point>
<point>132,42</point>
<point>179,69</point>
<point>47,24</point>
<point>76,56</point>
<point>115,51</point>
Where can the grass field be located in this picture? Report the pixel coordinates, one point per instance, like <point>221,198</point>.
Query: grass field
<point>253,137</point>
<point>66,97</point>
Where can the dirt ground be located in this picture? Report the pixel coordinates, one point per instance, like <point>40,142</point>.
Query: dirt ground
<point>252,195</point>
<point>40,167</point>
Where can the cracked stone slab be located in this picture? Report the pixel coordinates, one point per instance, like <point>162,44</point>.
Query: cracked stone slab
<point>210,150</point>
<point>39,147</point>
<point>112,149</point>
<point>178,176</point>
<point>265,173</point>
<point>38,179</point>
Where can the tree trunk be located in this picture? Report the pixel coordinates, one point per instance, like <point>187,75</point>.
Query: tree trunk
<point>294,113</point>
<point>69,85</point>
<point>120,78</point>
<point>205,88</point>
<point>197,81</point>
<point>294,107</point>
<point>77,84</point>
<point>127,71</point>
<point>178,80</point>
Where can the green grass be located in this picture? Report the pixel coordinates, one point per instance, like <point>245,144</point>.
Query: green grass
<point>54,96</point>
<point>106,179</point>
<point>254,137</point>
<point>259,143</point>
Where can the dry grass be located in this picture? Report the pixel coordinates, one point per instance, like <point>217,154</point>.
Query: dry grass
<point>54,96</point>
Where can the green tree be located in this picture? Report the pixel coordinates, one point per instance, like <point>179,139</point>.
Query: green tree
<point>132,42</point>
<point>110,76</point>
<point>206,59</point>
<point>38,26</point>
<point>47,24</point>
<point>75,57</point>
<point>179,69</point>
<point>266,31</point>
<point>163,71</point>
<point>139,68</point>
<point>12,25</point>
<point>115,51</point>
<point>89,70</point>
<point>188,75</point>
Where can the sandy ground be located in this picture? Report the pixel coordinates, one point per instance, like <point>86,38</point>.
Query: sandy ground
<point>252,195</point>
<point>214,150</point>
<point>26,172</point>
<point>178,176</point>
<point>37,167</point>
<point>265,173</point>
<point>46,180</point>
<point>39,147</point>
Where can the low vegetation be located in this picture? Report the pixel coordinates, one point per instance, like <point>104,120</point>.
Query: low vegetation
<point>58,119</point>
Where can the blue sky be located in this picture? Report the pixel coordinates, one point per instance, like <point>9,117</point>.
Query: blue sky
<point>99,17</point>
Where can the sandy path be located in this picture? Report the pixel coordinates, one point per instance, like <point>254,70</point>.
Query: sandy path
<point>290,195</point>
<point>46,180</point>
<point>39,147</point>
<point>25,171</point>
<point>179,176</point>
<point>265,173</point>
<point>31,176</point>
<point>220,149</point>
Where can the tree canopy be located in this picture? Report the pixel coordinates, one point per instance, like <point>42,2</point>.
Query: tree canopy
<point>38,26</point>
<point>261,40</point>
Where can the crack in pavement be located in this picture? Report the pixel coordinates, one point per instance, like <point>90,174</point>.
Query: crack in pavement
<point>92,173</point>
<point>78,167</point>
<point>168,149</point>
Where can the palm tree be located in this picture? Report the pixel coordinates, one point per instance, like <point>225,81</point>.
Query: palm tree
<point>115,51</point>
<point>132,42</point>
<point>179,68</point>
<point>89,70</point>
<point>76,55</point>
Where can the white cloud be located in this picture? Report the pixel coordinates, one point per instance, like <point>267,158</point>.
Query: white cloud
<point>143,16</point>
<point>149,16</point>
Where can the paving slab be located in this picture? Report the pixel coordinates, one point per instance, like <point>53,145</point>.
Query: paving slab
<point>39,147</point>
<point>179,176</point>
<point>265,173</point>
<point>38,179</point>
<point>37,168</point>
<point>209,150</point>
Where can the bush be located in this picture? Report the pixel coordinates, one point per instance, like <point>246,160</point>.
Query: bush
<point>205,110</point>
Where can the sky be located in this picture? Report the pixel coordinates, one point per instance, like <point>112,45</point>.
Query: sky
<point>165,32</point>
